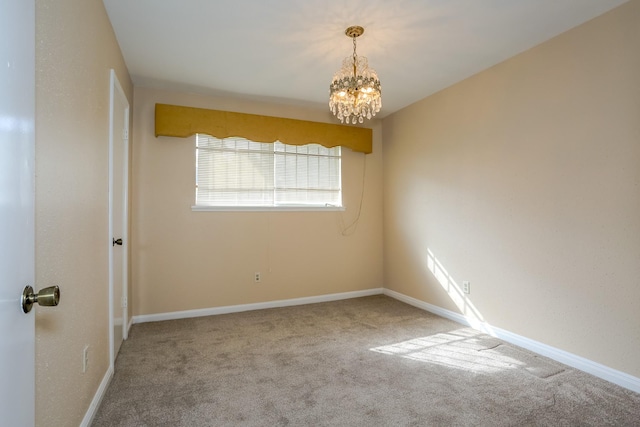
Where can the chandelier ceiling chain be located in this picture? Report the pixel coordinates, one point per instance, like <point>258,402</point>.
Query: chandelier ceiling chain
<point>355,56</point>
<point>355,91</point>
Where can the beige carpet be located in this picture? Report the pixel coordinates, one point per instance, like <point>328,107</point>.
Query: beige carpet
<point>363,362</point>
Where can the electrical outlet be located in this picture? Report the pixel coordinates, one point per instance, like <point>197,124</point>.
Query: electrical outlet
<point>257,278</point>
<point>466,287</point>
<point>85,358</point>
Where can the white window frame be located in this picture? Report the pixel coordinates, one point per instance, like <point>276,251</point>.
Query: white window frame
<point>278,207</point>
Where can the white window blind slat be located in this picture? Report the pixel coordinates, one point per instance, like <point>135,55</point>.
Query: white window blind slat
<point>238,172</point>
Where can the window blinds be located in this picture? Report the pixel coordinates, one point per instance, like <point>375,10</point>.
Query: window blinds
<point>239,172</point>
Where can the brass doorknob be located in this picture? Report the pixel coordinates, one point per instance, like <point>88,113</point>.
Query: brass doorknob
<point>47,297</point>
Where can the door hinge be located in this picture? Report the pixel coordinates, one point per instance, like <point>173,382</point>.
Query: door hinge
<point>124,302</point>
<point>125,133</point>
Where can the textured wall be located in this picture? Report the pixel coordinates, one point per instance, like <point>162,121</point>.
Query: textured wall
<point>525,181</point>
<point>187,260</point>
<point>75,48</point>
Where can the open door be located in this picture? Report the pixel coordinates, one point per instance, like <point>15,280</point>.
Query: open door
<point>17,242</point>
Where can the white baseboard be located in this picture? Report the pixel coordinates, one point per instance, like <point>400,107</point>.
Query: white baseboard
<point>97,398</point>
<point>256,306</point>
<point>617,377</point>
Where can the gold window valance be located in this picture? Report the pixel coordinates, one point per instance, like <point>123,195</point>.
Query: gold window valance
<point>174,120</point>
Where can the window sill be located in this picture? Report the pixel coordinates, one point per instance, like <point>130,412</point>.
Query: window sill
<point>268,208</point>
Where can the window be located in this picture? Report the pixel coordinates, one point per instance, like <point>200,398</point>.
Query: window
<point>236,172</point>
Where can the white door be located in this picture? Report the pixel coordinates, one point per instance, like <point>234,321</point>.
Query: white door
<point>17,266</point>
<point>118,182</point>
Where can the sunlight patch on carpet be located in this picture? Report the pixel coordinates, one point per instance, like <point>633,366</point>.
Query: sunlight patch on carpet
<point>464,349</point>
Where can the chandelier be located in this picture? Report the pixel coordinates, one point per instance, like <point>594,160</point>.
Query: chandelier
<point>355,89</point>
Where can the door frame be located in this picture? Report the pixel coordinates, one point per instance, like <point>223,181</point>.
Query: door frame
<point>116,89</point>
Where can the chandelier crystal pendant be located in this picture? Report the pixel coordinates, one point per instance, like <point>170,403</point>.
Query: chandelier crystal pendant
<point>355,91</point>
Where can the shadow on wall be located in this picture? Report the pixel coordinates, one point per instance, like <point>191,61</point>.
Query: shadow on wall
<point>459,298</point>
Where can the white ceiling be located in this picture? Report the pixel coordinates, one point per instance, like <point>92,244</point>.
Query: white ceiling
<point>288,50</point>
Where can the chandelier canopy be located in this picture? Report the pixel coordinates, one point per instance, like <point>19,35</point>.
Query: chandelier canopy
<point>355,91</point>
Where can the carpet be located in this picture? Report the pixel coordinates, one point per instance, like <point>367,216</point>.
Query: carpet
<point>370,361</point>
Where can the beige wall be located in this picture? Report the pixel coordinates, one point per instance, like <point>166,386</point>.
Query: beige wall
<point>75,48</point>
<point>186,260</point>
<point>525,181</point>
